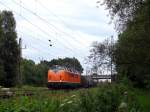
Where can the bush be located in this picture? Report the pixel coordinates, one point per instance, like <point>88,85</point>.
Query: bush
<point>108,99</point>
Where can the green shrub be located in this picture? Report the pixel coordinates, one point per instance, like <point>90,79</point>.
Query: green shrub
<point>108,98</point>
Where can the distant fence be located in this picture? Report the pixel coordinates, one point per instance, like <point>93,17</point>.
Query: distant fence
<point>101,77</point>
<point>97,77</point>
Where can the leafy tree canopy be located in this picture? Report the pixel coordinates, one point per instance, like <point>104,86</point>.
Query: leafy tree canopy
<point>101,56</point>
<point>34,74</point>
<point>123,11</point>
<point>9,49</point>
<point>133,49</point>
<point>67,62</point>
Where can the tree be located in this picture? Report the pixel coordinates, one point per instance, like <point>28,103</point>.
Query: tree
<point>28,71</point>
<point>1,62</point>
<point>101,56</point>
<point>123,11</point>
<point>9,49</point>
<point>133,49</point>
<point>34,74</point>
<point>2,73</point>
<point>67,62</point>
<point>41,71</point>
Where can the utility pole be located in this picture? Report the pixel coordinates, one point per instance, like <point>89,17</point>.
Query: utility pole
<point>111,50</point>
<point>19,60</point>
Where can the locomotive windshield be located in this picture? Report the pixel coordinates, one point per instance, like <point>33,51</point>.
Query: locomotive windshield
<point>56,68</point>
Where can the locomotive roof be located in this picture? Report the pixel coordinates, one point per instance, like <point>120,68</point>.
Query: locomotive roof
<point>58,67</point>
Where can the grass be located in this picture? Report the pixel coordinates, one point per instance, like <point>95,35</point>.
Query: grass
<point>43,100</point>
<point>144,99</point>
<point>106,98</point>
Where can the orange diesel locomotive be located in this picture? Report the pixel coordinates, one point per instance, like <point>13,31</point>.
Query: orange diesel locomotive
<point>60,77</point>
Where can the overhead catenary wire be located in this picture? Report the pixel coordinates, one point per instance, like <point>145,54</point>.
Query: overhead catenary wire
<point>40,51</point>
<point>72,37</point>
<point>41,40</point>
<point>37,57</point>
<point>47,23</point>
<point>41,45</point>
<point>43,31</point>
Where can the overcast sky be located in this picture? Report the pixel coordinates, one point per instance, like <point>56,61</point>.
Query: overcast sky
<point>71,25</point>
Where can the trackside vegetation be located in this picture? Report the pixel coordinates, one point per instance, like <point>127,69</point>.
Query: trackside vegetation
<point>105,98</point>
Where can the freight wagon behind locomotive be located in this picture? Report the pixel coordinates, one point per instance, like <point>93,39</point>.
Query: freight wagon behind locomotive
<point>61,77</point>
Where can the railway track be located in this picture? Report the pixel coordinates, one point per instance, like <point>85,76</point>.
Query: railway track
<point>14,93</point>
<point>8,93</point>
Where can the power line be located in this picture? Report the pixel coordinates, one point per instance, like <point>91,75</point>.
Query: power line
<point>40,47</point>
<point>41,51</point>
<point>48,10</point>
<point>32,24</point>
<point>45,21</point>
<point>41,40</point>
<point>25,19</point>
<point>36,26</point>
<point>40,43</point>
<point>53,54</point>
<point>37,49</point>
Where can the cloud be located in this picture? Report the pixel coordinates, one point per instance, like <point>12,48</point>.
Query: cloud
<point>72,25</point>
